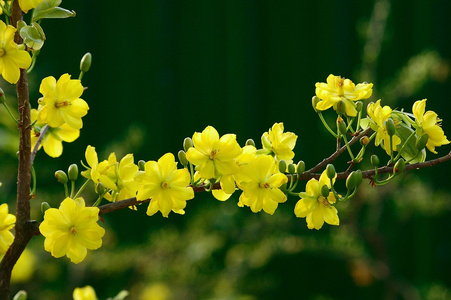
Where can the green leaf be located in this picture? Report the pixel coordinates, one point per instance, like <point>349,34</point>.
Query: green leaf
<point>48,9</point>
<point>33,36</point>
<point>410,151</point>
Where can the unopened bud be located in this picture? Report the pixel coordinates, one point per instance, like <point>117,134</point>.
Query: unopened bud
<point>187,143</point>
<point>282,166</point>
<point>72,172</point>
<point>85,63</point>
<point>44,207</point>
<point>21,295</point>
<point>359,106</point>
<point>399,166</point>
<point>61,176</point>
<point>291,169</point>
<point>330,171</point>
<point>358,177</point>
<point>100,189</point>
<point>141,164</point>
<point>350,181</point>
<point>341,126</point>
<point>422,141</point>
<point>324,191</point>
<point>340,108</point>
<point>315,101</point>
<point>374,160</point>
<point>250,142</point>
<point>300,168</point>
<point>390,126</point>
<point>364,140</point>
<point>182,158</point>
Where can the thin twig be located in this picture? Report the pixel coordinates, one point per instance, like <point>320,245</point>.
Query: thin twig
<point>38,142</point>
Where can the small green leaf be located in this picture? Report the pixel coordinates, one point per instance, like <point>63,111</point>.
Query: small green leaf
<point>32,36</point>
<point>410,150</point>
<point>48,9</point>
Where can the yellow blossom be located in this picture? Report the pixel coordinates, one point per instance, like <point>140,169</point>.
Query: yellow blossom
<point>24,268</point>
<point>429,124</point>
<point>261,186</point>
<point>125,180</point>
<point>26,5</point>
<point>61,103</point>
<point>53,139</point>
<point>11,58</point>
<point>316,208</point>
<point>7,222</point>
<point>103,172</point>
<point>279,143</point>
<point>71,229</point>
<point>213,156</point>
<point>166,186</point>
<point>379,115</point>
<point>337,89</point>
<point>84,293</point>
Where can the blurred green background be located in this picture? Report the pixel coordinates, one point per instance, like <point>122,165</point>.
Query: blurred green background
<point>164,69</point>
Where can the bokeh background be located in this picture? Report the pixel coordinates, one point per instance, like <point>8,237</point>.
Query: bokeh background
<point>164,69</point>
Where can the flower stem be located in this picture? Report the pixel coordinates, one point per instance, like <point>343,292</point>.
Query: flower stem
<point>81,189</point>
<point>10,113</point>
<point>327,126</point>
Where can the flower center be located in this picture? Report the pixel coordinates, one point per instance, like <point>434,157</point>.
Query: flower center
<point>324,202</point>
<point>339,82</point>
<point>73,230</point>
<point>213,154</point>
<point>164,185</point>
<point>264,185</point>
<point>62,104</point>
<point>2,52</point>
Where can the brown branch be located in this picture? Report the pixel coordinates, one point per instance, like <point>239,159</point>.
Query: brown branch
<point>23,230</point>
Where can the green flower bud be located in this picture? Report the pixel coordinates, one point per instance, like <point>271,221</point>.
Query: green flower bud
<point>374,160</point>
<point>282,166</point>
<point>187,143</point>
<point>315,101</point>
<point>100,188</point>
<point>250,142</point>
<point>141,164</point>
<point>21,295</point>
<point>291,169</point>
<point>351,181</point>
<point>330,171</point>
<point>359,106</point>
<point>300,168</point>
<point>342,126</point>
<point>340,108</point>
<point>390,126</point>
<point>422,141</point>
<point>182,158</point>
<point>85,62</point>
<point>324,191</point>
<point>358,177</point>
<point>73,172</point>
<point>61,176</point>
<point>44,207</point>
<point>2,96</point>
<point>364,140</point>
<point>399,166</point>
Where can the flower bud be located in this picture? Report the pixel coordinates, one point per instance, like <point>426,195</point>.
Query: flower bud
<point>374,160</point>
<point>324,191</point>
<point>422,141</point>
<point>341,126</point>
<point>100,188</point>
<point>2,96</point>
<point>187,143</point>
<point>266,142</point>
<point>182,158</point>
<point>44,207</point>
<point>390,126</point>
<point>282,166</point>
<point>61,176</point>
<point>291,169</point>
<point>315,101</point>
<point>250,142</point>
<point>340,108</point>
<point>364,140</point>
<point>300,168</point>
<point>399,166</point>
<point>330,171</point>
<point>351,181</point>
<point>85,62</point>
<point>72,172</point>
<point>358,177</point>
<point>359,106</point>
<point>141,164</point>
<point>21,295</point>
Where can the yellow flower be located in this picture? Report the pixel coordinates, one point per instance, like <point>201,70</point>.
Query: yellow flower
<point>429,124</point>
<point>53,139</point>
<point>85,293</point>
<point>104,172</point>
<point>7,222</point>
<point>379,115</point>
<point>11,58</point>
<point>24,268</point>
<point>167,187</point>
<point>26,5</point>
<point>279,143</point>
<point>61,102</point>
<point>125,180</point>
<point>71,230</point>
<point>213,156</point>
<point>316,208</point>
<point>337,89</point>
<point>261,186</point>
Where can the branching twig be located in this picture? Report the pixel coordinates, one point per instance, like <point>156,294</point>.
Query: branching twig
<point>38,142</point>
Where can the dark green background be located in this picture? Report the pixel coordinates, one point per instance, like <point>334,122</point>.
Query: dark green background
<point>164,69</point>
